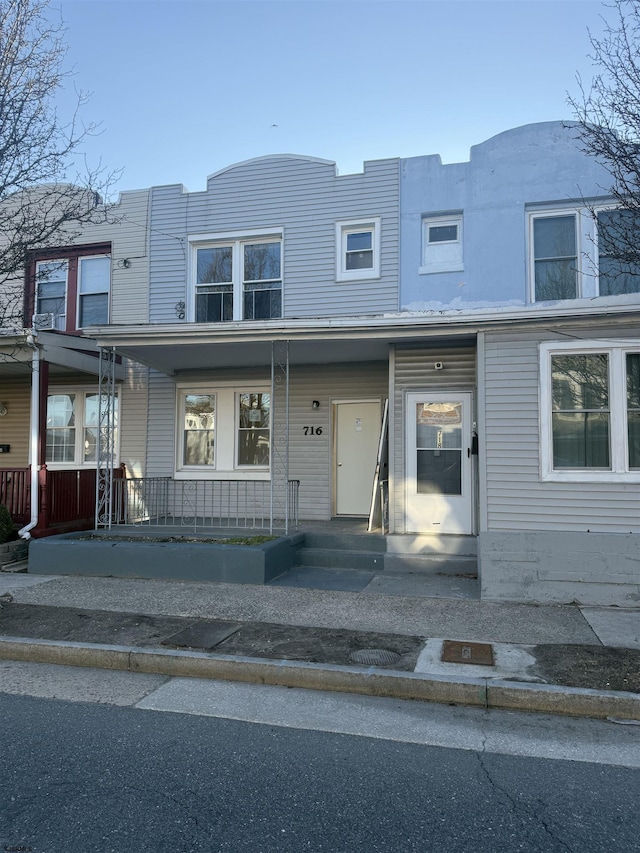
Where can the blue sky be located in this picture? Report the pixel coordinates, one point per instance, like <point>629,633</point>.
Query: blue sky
<point>183,89</point>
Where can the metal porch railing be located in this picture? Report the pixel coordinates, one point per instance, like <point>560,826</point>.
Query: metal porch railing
<point>200,505</point>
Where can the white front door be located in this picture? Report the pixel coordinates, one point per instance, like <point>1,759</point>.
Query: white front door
<point>439,485</point>
<point>357,434</point>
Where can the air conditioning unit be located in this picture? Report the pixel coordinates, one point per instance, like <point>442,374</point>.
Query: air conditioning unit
<point>48,321</point>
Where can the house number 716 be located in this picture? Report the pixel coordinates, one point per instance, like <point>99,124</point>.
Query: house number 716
<point>309,430</point>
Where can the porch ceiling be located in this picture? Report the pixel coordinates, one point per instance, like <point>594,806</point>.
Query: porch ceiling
<point>191,348</point>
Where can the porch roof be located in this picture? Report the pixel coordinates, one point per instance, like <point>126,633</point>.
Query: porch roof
<point>175,347</point>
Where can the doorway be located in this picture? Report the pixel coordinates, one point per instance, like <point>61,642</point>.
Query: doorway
<point>438,463</point>
<point>356,439</point>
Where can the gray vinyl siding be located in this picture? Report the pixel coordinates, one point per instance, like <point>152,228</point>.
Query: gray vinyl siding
<point>302,197</point>
<point>517,498</point>
<point>310,456</point>
<point>414,371</point>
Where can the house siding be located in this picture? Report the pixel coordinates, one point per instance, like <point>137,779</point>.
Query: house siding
<point>414,371</point>
<point>516,497</point>
<point>310,456</point>
<point>302,197</point>
<point>16,395</point>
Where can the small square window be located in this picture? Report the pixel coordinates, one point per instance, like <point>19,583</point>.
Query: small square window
<point>358,250</point>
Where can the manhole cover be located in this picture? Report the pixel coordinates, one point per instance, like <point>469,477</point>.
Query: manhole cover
<point>454,651</point>
<point>374,657</point>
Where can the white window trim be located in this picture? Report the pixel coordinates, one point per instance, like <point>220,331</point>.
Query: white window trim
<point>550,213</point>
<point>235,239</point>
<point>60,320</point>
<point>616,350</point>
<point>349,226</point>
<point>79,290</point>
<point>81,391</point>
<point>428,266</point>
<point>226,448</point>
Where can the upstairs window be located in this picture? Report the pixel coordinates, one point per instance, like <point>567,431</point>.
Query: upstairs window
<point>51,292</point>
<point>238,280</point>
<point>617,272</point>
<point>94,276</point>
<point>72,289</point>
<point>358,250</point>
<point>442,244</point>
<point>555,257</point>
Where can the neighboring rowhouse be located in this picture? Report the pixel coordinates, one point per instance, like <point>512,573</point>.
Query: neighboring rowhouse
<point>49,372</point>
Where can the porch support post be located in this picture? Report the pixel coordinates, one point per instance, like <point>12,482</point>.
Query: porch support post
<point>279,518</point>
<point>105,438</point>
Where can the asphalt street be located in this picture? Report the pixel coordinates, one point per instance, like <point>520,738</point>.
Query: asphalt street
<point>145,763</point>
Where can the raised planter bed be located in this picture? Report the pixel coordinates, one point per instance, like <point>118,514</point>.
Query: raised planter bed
<point>13,552</point>
<point>168,557</point>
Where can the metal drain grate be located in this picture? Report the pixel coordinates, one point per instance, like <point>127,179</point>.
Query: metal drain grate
<point>374,657</point>
<point>454,651</point>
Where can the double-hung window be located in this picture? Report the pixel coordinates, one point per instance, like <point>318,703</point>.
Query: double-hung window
<point>223,431</point>
<point>72,430</point>
<point>51,292</point>
<point>72,290</point>
<point>358,249</point>
<point>618,270</point>
<point>238,279</point>
<point>590,411</point>
<point>555,269</point>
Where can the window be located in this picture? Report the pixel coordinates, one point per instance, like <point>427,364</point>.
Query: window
<point>555,257</point>
<point>51,291</point>
<point>253,429</point>
<point>93,289</point>
<point>72,289</point>
<point>442,244</point>
<point>358,249</point>
<point>617,274</point>
<point>226,430</point>
<point>590,411</point>
<point>72,428</point>
<point>238,280</point>
<point>199,419</point>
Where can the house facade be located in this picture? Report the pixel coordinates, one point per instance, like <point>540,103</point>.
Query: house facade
<point>49,370</point>
<point>449,350</point>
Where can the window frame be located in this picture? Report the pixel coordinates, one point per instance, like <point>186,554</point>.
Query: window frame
<point>554,213</point>
<point>597,210</point>
<point>80,294</point>
<point>81,392</point>
<point>619,471</point>
<point>226,445</point>
<point>443,255</point>
<point>356,226</point>
<point>61,317</point>
<point>236,240</point>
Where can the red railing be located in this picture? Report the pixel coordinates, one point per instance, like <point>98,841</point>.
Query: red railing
<point>66,499</point>
<point>15,493</point>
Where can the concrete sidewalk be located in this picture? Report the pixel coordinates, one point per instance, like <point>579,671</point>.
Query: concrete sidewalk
<point>557,659</point>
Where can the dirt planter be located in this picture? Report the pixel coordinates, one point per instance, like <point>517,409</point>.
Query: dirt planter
<point>169,558</point>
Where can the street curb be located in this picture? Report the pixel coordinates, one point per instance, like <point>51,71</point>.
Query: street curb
<point>477,692</point>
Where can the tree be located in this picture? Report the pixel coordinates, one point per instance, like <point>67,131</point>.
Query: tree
<point>608,122</point>
<point>44,199</point>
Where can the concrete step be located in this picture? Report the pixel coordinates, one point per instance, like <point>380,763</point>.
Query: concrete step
<point>431,544</point>
<point>330,558</point>
<point>436,564</point>
<point>369,542</point>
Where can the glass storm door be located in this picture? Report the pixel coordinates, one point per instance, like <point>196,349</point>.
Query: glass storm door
<point>438,463</point>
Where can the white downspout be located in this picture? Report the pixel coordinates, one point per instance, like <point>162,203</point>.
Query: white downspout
<point>23,533</point>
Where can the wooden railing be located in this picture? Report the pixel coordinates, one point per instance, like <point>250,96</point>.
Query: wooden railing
<point>66,499</point>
